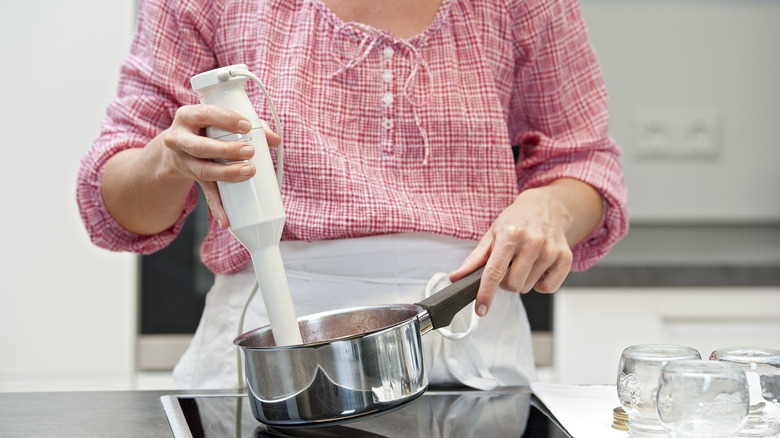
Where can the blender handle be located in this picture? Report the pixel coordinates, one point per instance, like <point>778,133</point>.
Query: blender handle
<point>445,304</point>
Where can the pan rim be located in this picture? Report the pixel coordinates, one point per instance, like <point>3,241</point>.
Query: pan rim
<point>251,333</point>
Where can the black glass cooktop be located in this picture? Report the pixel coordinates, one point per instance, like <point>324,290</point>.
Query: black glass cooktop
<point>436,414</point>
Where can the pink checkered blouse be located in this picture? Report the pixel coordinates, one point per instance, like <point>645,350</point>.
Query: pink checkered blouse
<point>382,134</point>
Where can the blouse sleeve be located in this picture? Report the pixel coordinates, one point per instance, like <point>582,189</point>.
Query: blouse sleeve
<point>559,116</point>
<point>170,44</point>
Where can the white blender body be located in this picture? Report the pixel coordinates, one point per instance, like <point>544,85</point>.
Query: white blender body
<point>254,207</point>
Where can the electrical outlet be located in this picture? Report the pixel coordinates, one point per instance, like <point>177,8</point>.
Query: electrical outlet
<point>655,134</point>
<point>700,133</point>
<point>672,134</point>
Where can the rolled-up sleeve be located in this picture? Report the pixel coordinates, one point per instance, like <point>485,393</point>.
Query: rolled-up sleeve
<point>171,42</point>
<point>559,117</point>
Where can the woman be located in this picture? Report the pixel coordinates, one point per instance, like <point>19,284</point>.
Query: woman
<point>398,123</point>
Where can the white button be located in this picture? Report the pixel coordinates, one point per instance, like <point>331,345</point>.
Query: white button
<point>387,98</point>
<point>387,76</point>
<point>388,52</point>
<point>387,124</point>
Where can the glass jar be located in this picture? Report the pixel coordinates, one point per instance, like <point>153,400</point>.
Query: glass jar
<point>702,399</point>
<point>762,369</point>
<point>637,384</point>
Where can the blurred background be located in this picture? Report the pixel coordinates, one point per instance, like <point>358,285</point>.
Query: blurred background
<point>695,105</point>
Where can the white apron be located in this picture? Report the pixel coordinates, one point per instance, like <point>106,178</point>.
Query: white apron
<point>483,353</point>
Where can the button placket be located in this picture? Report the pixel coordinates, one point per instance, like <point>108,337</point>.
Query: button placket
<point>387,75</point>
<point>387,100</point>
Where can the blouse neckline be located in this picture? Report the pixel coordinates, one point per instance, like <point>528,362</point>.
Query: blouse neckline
<point>353,29</point>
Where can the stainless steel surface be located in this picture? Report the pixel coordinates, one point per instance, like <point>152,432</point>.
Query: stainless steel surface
<point>176,417</point>
<point>353,362</point>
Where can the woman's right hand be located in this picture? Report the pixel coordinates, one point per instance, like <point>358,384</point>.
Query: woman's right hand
<point>191,153</point>
<point>145,189</point>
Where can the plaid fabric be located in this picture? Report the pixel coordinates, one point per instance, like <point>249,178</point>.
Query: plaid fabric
<point>382,135</point>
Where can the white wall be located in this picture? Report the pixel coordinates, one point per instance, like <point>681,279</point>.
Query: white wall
<point>676,61</point>
<point>67,308</point>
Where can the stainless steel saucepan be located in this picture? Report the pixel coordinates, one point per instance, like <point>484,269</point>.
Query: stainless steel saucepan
<point>353,362</point>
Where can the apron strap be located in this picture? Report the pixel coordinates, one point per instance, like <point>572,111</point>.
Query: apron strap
<point>479,378</point>
<point>439,281</point>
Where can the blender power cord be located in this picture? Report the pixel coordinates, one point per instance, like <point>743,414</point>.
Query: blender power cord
<point>240,331</point>
<point>277,124</point>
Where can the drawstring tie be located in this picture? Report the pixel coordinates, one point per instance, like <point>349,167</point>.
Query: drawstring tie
<point>420,72</point>
<point>339,53</point>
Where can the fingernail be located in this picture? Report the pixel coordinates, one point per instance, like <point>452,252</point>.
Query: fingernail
<point>220,223</point>
<point>246,170</point>
<point>244,126</point>
<point>246,151</point>
<point>482,310</point>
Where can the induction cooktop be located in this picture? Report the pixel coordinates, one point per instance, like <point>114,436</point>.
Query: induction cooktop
<point>458,413</point>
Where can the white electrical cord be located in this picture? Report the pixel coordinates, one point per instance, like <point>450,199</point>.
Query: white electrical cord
<point>277,124</point>
<point>240,332</point>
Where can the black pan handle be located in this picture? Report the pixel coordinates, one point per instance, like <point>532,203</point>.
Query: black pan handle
<point>445,304</point>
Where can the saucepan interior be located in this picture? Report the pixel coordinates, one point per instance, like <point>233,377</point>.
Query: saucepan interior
<point>335,325</point>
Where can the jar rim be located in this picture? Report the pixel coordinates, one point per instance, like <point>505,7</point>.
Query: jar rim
<point>747,355</point>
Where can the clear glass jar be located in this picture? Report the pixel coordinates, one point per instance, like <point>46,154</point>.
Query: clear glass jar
<point>702,399</point>
<point>637,384</point>
<point>762,369</point>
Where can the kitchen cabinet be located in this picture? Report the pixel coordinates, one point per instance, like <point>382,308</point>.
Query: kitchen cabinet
<point>593,325</point>
<point>706,287</point>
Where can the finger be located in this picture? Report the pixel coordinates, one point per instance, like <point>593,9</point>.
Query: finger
<point>518,273</point>
<point>207,170</point>
<point>476,258</point>
<point>214,201</point>
<point>181,140</point>
<point>529,247</point>
<point>492,276</point>
<point>553,278</point>
<point>543,263</point>
<point>544,260</point>
<point>273,139</point>
<point>197,117</point>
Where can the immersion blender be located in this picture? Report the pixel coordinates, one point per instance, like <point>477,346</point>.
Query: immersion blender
<point>254,207</point>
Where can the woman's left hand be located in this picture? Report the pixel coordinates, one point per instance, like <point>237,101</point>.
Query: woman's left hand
<point>529,244</point>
